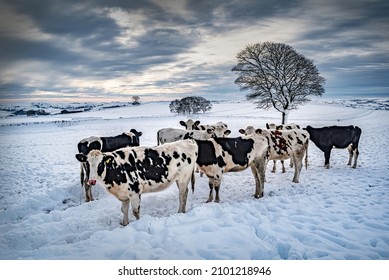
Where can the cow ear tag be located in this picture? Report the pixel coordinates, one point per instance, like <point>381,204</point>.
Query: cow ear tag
<point>108,160</point>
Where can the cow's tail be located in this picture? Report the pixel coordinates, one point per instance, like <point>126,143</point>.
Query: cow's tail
<point>193,180</point>
<point>306,155</point>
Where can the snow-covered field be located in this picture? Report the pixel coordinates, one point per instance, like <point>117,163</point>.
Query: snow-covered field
<point>336,213</point>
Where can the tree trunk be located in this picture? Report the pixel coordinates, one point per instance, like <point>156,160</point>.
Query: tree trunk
<point>285,115</point>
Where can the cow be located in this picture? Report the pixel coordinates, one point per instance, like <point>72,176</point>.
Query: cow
<point>129,172</point>
<point>220,155</point>
<point>341,137</point>
<point>190,124</point>
<point>195,125</point>
<point>166,135</point>
<point>288,126</point>
<point>284,144</point>
<point>104,144</point>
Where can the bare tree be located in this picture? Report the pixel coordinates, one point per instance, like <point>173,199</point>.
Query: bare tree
<point>277,76</point>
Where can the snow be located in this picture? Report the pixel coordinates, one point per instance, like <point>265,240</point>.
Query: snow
<point>337,213</point>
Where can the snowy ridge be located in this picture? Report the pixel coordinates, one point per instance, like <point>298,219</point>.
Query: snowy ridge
<point>339,213</point>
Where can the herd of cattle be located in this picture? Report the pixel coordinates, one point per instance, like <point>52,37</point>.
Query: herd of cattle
<point>127,169</point>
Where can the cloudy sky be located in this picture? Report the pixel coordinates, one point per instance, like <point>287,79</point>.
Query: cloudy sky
<point>77,50</point>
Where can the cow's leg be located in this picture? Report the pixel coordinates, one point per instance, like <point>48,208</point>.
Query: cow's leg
<point>183,194</point>
<point>259,169</point>
<point>350,154</point>
<point>82,173</point>
<point>217,188</point>
<point>327,154</point>
<point>274,167</point>
<point>283,166</point>
<point>135,205</point>
<point>214,184</point>
<point>297,159</point>
<point>88,192</point>
<point>356,154</point>
<point>84,182</point>
<point>210,183</point>
<point>124,208</point>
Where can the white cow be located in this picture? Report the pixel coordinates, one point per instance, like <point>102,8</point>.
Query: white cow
<point>167,135</point>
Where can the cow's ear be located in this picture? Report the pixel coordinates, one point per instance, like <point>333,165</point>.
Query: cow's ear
<point>81,157</point>
<point>108,159</point>
<point>227,132</point>
<point>182,123</point>
<point>140,133</point>
<point>241,131</point>
<point>196,123</point>
<point>267,126</point>
<point>258,131</point>
<point>210,130</point>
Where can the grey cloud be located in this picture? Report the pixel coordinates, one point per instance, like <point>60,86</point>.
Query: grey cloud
<point>89,46</point>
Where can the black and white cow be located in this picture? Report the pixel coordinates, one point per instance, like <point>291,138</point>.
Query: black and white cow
<point>195,125</point>
<point>284,144</point>
<point>341,137</point>
<point>167,135</point>
<point>127,173</point>
<point>220,155</point>
<point>288,126</point>
<point>190,124</point>
<point>104,144</point>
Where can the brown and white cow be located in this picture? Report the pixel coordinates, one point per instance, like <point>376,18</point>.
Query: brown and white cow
<point>288,126</point>
<point>284,144</point>
<point>104,144</point>
<point>127,173</point>
<point>220,155</point>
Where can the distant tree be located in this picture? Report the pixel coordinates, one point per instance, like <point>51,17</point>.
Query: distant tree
<point>277,76</point>
<point>174,106</point>
<point>190,105</point>
<point>135,100</point>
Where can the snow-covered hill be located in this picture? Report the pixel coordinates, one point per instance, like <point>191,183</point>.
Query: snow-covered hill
<point>339,213</point>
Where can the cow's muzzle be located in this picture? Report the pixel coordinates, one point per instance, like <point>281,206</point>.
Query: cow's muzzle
<point>92,182</point>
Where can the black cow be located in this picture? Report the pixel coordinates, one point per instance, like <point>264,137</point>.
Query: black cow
<point>219,155</point>
<point>341,137</point>
<point>104,144</point>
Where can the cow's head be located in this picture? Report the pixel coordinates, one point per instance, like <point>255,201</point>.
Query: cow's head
<point>137,133</point>
<point>250,130</point>
<point>220,132</point>
<point>271,126</point>
<point>190,124</point>
<point>97,163</point>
